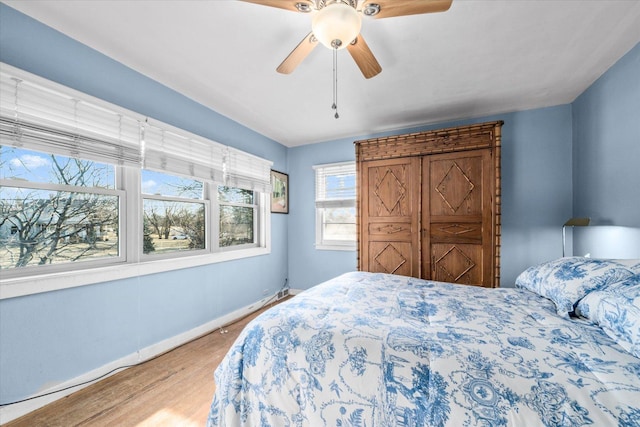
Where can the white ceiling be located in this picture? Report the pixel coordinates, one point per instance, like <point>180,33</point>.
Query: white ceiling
<point>481,57</point>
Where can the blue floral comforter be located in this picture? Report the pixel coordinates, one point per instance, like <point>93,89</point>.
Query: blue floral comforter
<point>369,349</point>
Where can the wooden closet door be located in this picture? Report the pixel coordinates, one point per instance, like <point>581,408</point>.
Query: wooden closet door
<point>457,217</point>
<point>389,220</point>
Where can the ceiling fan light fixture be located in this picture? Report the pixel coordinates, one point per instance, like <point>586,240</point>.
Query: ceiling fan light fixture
<point>336,25</point>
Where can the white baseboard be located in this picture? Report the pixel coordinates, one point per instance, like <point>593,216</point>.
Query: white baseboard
<point>11,412</point>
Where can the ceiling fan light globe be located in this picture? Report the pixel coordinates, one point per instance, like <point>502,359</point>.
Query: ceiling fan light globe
<point>336,22</point>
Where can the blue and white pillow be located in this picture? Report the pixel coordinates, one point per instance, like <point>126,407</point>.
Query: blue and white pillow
<point>616,309</point>
<point>566,281</point>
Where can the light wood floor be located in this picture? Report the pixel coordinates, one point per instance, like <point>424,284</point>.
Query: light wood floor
<point>174,390</point>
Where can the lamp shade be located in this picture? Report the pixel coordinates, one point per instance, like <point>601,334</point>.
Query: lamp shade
<point>336,25</point>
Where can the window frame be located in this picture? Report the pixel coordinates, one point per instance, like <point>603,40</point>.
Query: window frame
<point>135,264</point>
<point>205,201</point>
<point>57,268</point>
<point>323,204</point>
<point>245,169</point>
<point>175,254</point>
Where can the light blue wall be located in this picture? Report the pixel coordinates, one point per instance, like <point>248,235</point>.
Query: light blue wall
<point>606,149</point>
<point>52,337</point>
<point>536,194</point>
<point>309,266</point>
<point>536,187</point>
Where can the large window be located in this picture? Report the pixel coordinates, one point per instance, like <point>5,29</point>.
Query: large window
<point>86,184</point>
<point>336,206</point>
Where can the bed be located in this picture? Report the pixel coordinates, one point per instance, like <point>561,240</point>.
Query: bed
<point>370,349</point>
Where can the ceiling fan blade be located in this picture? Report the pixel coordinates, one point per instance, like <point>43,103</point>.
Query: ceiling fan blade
<point>283,4</point>
<point>296,56</point>
<point>390,8</point>
<point>363,56</point>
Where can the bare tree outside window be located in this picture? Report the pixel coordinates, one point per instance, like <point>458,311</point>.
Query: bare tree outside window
<point>173,213</point>
<point>173,226</point>
<point>69,221</point>
<point>238,211</point>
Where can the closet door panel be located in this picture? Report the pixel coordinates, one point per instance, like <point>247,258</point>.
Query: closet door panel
<point>457,216</point>
<point>456,263</point>
<point>391,257</point>
<point>390,197</point>
<point>456,230</point>
<point>390,194</point>
<point>456,185</point>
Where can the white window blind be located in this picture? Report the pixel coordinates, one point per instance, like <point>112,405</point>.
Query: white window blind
<point>335,185</point>
<point>40,115</point>
<point>243,170</point>
<point>167,151</point>
<point>38,118</point>
<point>186,154</point>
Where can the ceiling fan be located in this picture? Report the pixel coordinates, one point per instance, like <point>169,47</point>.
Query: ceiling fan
<point>336,24</point>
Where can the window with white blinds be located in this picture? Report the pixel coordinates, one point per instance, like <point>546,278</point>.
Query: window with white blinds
<point>80,179</point>
<point>336,206</point>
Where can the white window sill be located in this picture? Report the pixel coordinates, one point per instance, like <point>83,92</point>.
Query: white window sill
<point>21,286</point>
<point>336,247</point>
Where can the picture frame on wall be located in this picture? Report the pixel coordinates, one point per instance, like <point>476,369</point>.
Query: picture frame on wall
<point>279,192</point>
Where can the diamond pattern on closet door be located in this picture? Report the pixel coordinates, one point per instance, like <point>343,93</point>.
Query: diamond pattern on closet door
<point>454,196</point>
<point>457,263</point>
<point>454,263</point>
<point>390,259</point>
<point>390,190</point>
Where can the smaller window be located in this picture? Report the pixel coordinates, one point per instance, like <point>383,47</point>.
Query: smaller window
<point>238,217</point>
<point>336,206</point>
<point>174,214</point>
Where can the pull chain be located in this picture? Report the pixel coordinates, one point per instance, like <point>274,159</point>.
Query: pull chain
<point>335,82</point>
